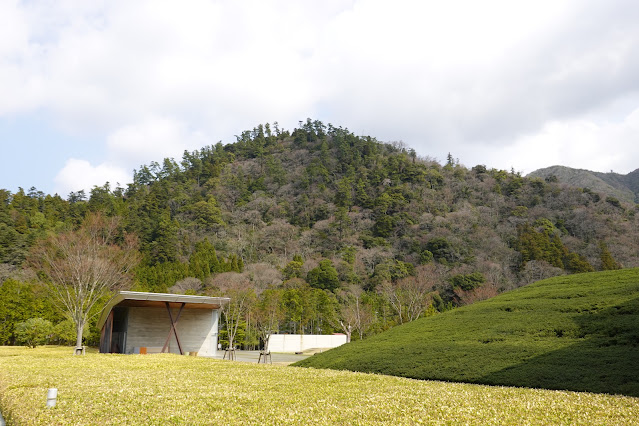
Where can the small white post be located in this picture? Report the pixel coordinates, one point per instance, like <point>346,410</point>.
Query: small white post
<point>52,395</point>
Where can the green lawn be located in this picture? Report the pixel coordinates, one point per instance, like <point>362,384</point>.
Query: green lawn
<point>172,389</point>
<point>578,332</point>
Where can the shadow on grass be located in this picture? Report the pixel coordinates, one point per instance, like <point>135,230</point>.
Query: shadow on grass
<point>605,358</point>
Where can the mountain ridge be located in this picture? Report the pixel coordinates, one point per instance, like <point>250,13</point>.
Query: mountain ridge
<point>624,187</point>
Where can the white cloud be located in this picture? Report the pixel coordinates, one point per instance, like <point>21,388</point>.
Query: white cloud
<point>79,175</point>
<point>204,61</point>
<point>152,139</point>
<point>20,87</point>
<point>127,148</point>
<point>577,143</point>
<point>150,78</point>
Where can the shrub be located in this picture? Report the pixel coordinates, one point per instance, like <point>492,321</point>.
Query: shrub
<point>425,256</point>
<point>577,263</point>
<point>64,333</point>
<point>293,270</point>
<point>468,282</point>
<point>34,332</point>
<point>613,202</point>
<point>608,263</point>
<point>443,250</point>
<point>519,211</point>
<point>324,277</point>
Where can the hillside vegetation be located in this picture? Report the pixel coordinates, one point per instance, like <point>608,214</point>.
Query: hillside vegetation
<point>332,231</point>
<point>173,389</point>
<point>623,187</point>
<point>578,332</point>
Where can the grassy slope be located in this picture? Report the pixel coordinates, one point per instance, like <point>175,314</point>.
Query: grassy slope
<point>578,332</point>
<point>171,389</point>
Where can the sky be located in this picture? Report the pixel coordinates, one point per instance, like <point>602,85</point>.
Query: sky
<point>91,90</point>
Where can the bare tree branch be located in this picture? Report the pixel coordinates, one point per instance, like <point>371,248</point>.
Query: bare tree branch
<point>86,265</point>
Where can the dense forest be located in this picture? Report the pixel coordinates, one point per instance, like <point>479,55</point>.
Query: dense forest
<point>327,231</point>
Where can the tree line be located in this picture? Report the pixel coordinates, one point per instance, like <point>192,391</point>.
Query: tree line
<point>340,232</point>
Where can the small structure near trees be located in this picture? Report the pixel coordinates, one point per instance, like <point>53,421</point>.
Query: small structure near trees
<point>137,322</point>
<point>304,342</point>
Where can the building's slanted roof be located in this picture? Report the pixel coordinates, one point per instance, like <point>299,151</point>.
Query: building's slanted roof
<point>141,299</point>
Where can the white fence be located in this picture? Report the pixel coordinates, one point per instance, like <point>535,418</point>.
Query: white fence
<point>302,342</point>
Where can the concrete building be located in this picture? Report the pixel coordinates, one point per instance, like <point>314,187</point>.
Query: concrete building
<point>136,322</point>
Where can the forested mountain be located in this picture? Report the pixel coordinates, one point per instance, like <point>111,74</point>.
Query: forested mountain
<point>623,187</point>
<point>334,225</point>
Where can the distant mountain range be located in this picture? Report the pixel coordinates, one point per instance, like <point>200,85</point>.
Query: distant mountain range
<point>623,187</point>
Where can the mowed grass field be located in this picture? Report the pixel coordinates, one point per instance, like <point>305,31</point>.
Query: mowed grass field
<point>172,389</point>
<point>577,332</point>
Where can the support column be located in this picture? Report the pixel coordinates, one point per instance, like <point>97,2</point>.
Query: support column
<point>173,329</point>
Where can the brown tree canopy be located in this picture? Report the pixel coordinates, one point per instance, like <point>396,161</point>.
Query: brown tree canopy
<point>86,265</point>
<point>411,297</point>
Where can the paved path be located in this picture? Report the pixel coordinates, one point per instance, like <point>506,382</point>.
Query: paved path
<point>253,356</point>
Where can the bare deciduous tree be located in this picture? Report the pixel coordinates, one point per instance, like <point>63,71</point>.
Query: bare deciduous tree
<point>536,270</point>
<point>85,266</point>
<point>240,290</point>
<point>352,313</point>
<point>188,285</point>
<point>268,314</point>
<point>483,292</point>
<point>410,297</point>
<point>263,275</point>
<point>276,238</point>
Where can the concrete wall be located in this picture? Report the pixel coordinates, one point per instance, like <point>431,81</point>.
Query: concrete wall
<point>302,342</point>
<point>149,328</point>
